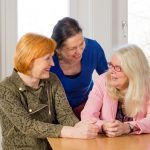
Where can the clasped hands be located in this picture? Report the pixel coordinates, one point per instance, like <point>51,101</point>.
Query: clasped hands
<point>88,129</point>
<point>115,128</point>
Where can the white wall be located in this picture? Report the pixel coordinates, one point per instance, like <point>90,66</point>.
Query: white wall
<point>95,17</point>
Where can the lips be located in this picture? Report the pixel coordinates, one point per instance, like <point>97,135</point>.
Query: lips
<point>47,69</point>
<point>78,56</point>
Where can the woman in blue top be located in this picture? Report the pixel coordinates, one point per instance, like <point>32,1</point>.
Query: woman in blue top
<point>75,60</point>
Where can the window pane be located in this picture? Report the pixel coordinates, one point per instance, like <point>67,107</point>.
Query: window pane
<point>139,24</point>
<point>40,16</point>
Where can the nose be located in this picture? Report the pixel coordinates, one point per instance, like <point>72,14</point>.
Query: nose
<point>111,70</point>
<point>79,50</point>
<point>52,62</point>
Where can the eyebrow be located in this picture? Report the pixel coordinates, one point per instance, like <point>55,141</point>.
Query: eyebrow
<point>113,64</point>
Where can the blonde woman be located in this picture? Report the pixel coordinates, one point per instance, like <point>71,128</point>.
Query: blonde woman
<point>120,98</point>
<point>33,104</point>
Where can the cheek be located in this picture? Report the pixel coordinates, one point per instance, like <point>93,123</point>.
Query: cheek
<point>65,55</point>
<point>81,52</point>
<point>125,80</point>
<point>120,81</point>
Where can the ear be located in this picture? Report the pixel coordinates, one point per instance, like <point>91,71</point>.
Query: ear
<point>59,54</point>
<point>57,51</point>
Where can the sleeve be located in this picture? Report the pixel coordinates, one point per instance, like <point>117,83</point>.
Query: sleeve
<point>101,59</point>
<point>143,125</point>
<point>64,113</point>
<point>13,109</point>
<point>94,103</point>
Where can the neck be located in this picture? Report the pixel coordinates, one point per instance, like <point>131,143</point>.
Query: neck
<point>29,81</point>
<point>69,62</point>
<point>70,68</point>
<point>66,62</point>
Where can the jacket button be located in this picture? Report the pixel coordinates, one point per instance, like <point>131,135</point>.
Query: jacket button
<point>20,89</point>
<point>30,110</point>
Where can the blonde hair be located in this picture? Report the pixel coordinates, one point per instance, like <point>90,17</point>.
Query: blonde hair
<point>30,47</point>
<point>135,65</point>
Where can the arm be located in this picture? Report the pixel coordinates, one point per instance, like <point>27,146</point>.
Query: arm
<point>83,130</point>
<point>64,113</point>
<point>142,123</point>
<point>94,103</point>
<point>20,119</point>
<point>66,117</point>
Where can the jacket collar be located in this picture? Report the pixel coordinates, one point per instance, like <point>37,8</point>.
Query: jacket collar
<point>15,78</point>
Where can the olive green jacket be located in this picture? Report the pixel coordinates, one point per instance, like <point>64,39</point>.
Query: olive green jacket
<point>29,116</point>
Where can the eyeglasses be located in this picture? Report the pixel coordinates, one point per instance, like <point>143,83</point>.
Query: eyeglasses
<point>116,68</point>
<point>73,49</point>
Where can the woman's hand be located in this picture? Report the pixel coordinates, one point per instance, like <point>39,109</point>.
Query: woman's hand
<point>115,128</point>
<point>82,130</point>
<point>86,129</point>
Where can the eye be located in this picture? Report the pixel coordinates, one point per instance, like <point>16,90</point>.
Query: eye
<point>109,64</point>
<point>48,57</point>
<point>118,68</point>
<point>73,49</point>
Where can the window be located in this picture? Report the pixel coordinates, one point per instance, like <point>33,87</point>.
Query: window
<point>139,24</point>
<point>40,16</point>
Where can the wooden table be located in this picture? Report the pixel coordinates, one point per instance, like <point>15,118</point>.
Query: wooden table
<point>130,142</point>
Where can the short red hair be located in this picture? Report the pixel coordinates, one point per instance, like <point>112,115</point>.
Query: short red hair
<point>30,47</point>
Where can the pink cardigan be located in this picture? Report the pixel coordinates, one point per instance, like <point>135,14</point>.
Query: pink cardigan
<point>103,108</point>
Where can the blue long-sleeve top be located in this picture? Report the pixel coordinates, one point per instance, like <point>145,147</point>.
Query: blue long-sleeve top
<point>77,89</point>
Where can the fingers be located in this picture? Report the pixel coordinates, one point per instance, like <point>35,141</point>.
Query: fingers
<point>87,129</point>
<point>114,128</point>
<point>91,128</point>
<point>111,129</point>
<point>113,134</point>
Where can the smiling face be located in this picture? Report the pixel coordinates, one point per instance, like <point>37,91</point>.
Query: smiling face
<point>118,78</point>
<point>41,66</point>
<point>73,47</point>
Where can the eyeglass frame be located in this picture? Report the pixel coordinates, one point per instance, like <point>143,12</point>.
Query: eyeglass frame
<point>81,46</point>
<point>115,67</point>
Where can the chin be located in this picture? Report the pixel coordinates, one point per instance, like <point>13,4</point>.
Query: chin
<point>46,76</point>
<point>115,85</point>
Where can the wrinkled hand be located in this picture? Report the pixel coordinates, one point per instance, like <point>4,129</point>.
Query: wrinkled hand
<point>86,129</point>
<point>115,128</point>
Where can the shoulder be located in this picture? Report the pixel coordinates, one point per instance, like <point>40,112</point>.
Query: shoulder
<point>101,80</point>
<point>93,48</point>
<point>54,79</point>
<point>53,76</point>
<point>92,43</point>
<point>89,41</point>
<point>8,88</point>
<point>6,83</point>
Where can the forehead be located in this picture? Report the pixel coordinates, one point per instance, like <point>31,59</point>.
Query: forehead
<point>74,40</point>
<point>115,60</point>
<point>45,56</point>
